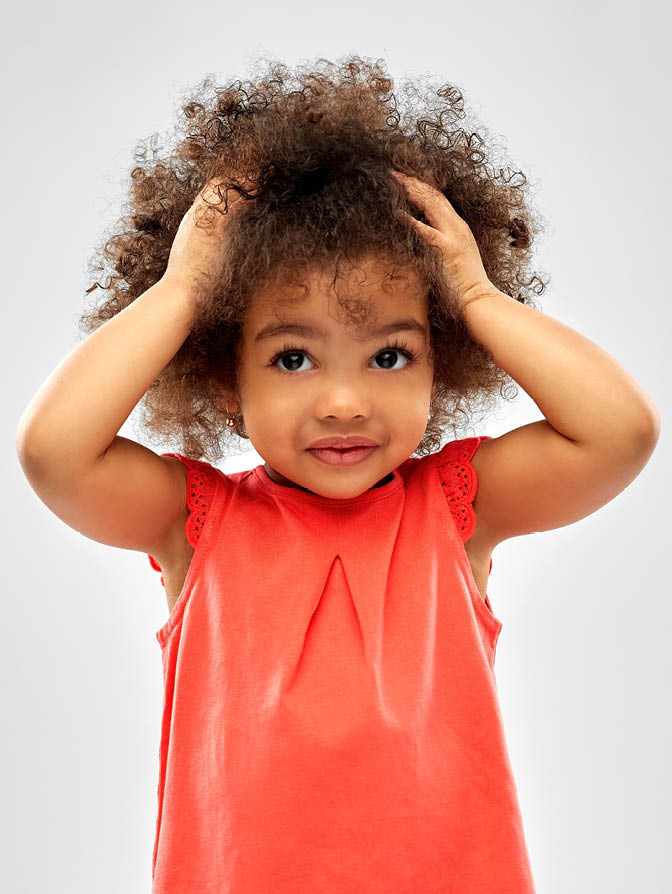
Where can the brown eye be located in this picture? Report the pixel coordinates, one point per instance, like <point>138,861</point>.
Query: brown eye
<point>294,360</point>
<point>391,355</point>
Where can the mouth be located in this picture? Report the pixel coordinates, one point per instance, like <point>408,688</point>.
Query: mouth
<point>342,456</point>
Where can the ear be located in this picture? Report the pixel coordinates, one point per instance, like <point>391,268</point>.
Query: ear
<point>234,404</point>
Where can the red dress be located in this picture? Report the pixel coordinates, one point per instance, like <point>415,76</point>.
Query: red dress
<point>331,720</point>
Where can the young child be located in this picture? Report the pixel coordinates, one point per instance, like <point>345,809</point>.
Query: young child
<point>306,272</point>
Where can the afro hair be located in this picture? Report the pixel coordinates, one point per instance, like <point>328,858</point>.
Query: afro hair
<point>314,149</point>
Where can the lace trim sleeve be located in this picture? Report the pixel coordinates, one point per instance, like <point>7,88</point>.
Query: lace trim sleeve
<point>460,482</point>
<point>200,490</point>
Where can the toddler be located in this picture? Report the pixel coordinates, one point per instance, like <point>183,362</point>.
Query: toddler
<point>339,282</point>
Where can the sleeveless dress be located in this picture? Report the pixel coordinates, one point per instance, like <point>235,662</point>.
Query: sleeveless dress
<point>331,720</point>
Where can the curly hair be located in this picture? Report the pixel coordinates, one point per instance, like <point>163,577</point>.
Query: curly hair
<point>314,149</point>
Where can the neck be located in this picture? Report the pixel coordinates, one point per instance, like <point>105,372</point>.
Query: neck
<point>287,482</point>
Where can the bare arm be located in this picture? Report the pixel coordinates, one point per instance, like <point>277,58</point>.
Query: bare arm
<point>110,488</point>
<point>600,426</point>
<point>81,406</point>
<point>599,431</point>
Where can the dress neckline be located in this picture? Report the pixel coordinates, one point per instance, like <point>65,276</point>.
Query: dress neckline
<point>294,493</point>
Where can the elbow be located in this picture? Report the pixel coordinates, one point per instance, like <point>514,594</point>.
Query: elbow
<point>640,423</point>
<point>645,436</point>
<point>31,449</point>
<point>26,447</point>
<point>649,428</point>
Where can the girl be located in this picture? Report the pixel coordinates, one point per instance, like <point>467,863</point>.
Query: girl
<point>337,283</point>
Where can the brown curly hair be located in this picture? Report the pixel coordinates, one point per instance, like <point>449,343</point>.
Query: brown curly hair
<point>314,149</point>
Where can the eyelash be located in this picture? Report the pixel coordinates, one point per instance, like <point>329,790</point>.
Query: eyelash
<point>401,346</point>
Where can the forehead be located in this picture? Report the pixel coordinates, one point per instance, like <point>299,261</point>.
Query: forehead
<point>363,298</point>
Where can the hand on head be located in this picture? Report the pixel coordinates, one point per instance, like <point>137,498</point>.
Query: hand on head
<point>195,259</point>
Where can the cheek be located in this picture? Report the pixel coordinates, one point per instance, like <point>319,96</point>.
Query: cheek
<point>269,414</point>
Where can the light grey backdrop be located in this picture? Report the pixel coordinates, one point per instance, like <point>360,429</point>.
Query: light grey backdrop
<point>580,94</point>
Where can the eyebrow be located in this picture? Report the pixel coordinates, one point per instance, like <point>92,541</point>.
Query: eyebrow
<point>305,330</point>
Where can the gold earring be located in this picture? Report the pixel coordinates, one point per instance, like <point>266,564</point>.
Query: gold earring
<point>230,420</point>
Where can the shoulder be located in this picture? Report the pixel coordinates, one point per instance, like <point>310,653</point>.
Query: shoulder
<point>178,467</point>
<point>534,479</point>
<point>480,458</point>
<point>197,480</point>
<point>199,477</point>
<point>458,471</point>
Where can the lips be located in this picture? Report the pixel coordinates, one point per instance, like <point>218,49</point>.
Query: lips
<point>343,442</point>
<point>342,456</point>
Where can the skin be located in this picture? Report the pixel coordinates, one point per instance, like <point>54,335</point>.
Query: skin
<point>347,384</point>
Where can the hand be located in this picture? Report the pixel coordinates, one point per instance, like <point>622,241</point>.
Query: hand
<point>196,254</point>
<point>452,234</point>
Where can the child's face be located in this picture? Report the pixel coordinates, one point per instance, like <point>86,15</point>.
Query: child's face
<point>346,383</point>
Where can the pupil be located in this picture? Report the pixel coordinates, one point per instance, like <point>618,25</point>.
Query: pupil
<point>388,353</point>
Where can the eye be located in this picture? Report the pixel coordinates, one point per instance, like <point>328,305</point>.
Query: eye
<point>400,349</point>
<point>291,353</point>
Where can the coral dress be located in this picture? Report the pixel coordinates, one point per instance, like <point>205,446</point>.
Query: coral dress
<point>331,720</point>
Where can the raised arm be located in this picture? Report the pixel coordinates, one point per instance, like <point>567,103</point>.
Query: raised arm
<point>600,426</point>
<point>107,487</point>
<point>110,488</point>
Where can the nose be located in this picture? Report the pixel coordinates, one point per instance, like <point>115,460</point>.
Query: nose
<point>343,403</point>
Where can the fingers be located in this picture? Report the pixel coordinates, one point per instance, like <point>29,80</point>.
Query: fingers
<point>436,207</point>
<point>419,192</point>
<point>429,233</point>
<point>224,201</point>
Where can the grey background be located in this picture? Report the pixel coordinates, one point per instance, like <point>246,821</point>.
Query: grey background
<point>580,94</point>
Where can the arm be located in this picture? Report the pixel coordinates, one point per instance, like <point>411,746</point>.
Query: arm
<point>600,426</point>
<point>106,487</point>
<point>585,395</point>
<point>110,488</point>
<point>74,417</point>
